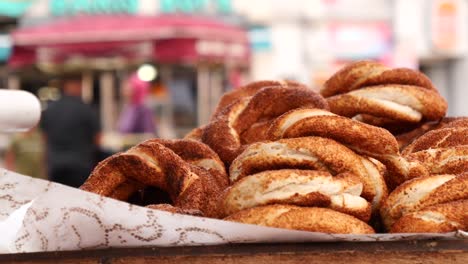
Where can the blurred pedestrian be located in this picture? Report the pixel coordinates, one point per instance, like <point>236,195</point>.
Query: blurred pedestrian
<point>136,117</point>
<point>72,135</point>
<point>25,154</point>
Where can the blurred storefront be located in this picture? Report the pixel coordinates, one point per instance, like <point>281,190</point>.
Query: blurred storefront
<point>199,49</point>
<point>307,40</point>
<point>436,32</point>
<point>192,49</point>
<point>10,11</point>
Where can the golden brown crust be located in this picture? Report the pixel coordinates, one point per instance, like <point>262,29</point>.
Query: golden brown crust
<point>440,138</point>
<point>362,138</point>
<point>126,189</point>
<point>406,138</point>
<point>454,122</point>
<point>285,121</point>
<point>224,133</point>
<point>298,187</point>
<point>271,102</point>
<point>395,99</point>
<point>394,126</point>
<point>195,153</point>
<point>187,170</point>
<point>401,103</point>
<point>419,193</point>
<point>255,133</point>
<point>313,153</point>
<point>115,170</point>
<point>195,134</point>
<point>220,134</point>
<point>441,218</point>
<point>368,73</point>
<point>249,90</point>
<point>453,160</point>
<point>311,219</point>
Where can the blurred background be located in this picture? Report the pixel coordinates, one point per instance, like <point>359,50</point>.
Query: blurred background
<point>186,53</point>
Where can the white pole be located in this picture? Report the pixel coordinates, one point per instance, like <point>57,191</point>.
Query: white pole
<point>87,85</point>
<point>13,82</point>
<point>107,101</point>
<point>203,98</point>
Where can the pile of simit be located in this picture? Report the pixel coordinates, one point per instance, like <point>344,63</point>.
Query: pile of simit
<point>372,151</point>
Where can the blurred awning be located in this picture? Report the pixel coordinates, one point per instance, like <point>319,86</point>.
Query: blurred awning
<point>22,57</point>
<point>166,38</point>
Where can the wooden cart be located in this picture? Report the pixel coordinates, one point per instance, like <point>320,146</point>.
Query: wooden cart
<point>443,251</point>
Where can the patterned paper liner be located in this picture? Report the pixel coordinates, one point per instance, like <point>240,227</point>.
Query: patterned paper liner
<point>37,215</point>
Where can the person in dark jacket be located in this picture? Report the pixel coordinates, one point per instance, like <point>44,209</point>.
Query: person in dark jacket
<point>72,133</point>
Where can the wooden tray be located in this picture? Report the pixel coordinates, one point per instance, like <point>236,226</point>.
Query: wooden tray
<point>455,251</point>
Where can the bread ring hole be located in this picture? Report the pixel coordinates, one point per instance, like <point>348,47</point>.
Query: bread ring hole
<point>150,195</point>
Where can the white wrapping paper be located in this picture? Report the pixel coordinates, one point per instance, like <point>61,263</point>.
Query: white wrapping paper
<point>37,215</point>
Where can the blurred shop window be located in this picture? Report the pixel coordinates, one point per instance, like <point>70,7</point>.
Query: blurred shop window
<point>260,38</point>
<point>360,40</point>
<point>25,154</point>
<point>183,94</point>
<point>5,47</point>
<point>184,102</point>
<point>47,94</point>
<point>448,27</point>
<point>196,6</point>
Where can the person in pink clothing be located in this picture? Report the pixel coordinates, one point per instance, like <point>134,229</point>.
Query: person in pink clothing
<point>136,117</point>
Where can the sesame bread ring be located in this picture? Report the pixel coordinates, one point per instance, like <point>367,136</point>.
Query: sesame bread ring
<point>441,218</point>
<point>126,189</point>
<point>298,187</point>
<point>220,134</point>
<point>224,133</point>
<point>116,186</point>
<point>195,134</point>
<point>189,171</point>
<point>454,122</point>
<point>452,160</point>
<point>439,138</point>
<point>406,138</point>
<point>401,103</point>
<point>396,99</point>
<point>311,219</point>
<point>196,153</point>
<point>255,133</point>
<point>419,193</point>
<point>314,153</point>
<point>280,125</point>
<point>249,90</point>
<point>369,73</point>
<point>364,139</point>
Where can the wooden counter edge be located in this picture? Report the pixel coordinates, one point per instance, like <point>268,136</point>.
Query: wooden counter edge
<point>441,251</point>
